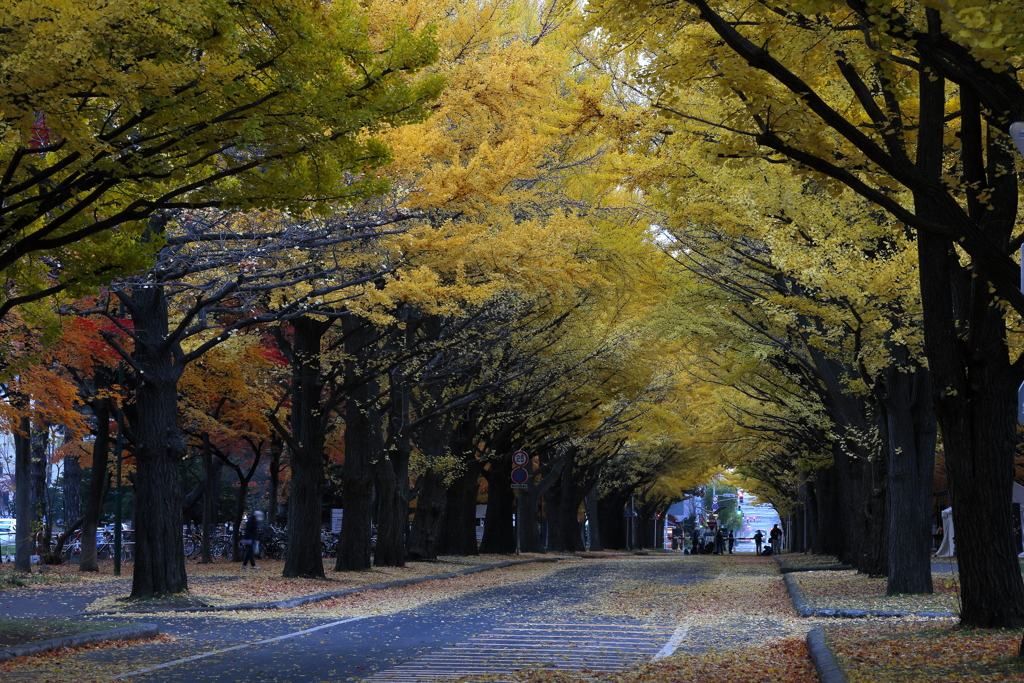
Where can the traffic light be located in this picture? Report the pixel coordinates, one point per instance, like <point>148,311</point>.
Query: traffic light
<point>740,492</point>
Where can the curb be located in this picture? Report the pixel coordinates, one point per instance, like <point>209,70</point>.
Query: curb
<point>825,663</point>
<point>805,610</point>
<point>825,568</point>
<point>320,597</point>
<point>125,633</point>
<point>786,569</point>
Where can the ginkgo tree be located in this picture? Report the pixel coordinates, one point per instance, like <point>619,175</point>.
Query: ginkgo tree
<point>908,107</point>
<point>111,112</point>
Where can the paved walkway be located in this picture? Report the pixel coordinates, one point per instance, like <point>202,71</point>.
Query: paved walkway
<point>534,623</point>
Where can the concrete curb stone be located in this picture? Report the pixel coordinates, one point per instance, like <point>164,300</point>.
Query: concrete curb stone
<point>803,609</point>
<point>825,663</point>
<point>125,633</point>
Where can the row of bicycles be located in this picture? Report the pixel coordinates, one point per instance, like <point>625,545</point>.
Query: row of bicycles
<point>104,545</point>
<point>273,544</point>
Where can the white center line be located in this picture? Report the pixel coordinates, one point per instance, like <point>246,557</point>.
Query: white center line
<point>211,653</point>
<point>674,642</point>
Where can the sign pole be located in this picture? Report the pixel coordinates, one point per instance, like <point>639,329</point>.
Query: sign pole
<point>519,512</point>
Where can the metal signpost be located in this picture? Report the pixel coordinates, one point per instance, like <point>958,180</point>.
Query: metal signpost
<point>520,477</point>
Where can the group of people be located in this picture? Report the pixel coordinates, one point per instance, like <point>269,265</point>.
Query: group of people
<point>726,539</point>
<point>774,540</point>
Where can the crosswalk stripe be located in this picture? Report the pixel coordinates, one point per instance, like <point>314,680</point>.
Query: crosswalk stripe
<point>509,647</point>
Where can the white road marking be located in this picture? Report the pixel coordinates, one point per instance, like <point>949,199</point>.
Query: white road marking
<point>674,642</point>
<point>211,653</point>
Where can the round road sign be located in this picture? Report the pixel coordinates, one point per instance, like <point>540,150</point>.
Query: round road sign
<point>520,458</point>
<point>519,475</point>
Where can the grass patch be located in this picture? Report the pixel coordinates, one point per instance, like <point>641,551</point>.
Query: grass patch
<point>925,653</point>
<point>21,631</point>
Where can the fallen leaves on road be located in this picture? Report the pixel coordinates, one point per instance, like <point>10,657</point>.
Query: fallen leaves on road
<point>388,601</point>
<point>783,661</point>
<point>850,590</point>
<point>919,652</point>
<point>737,625</point>
<point>224,583</point>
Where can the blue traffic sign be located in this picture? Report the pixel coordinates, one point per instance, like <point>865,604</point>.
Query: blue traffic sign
<point>520,475</point>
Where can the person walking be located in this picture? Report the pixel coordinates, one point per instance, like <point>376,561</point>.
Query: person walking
<point>776,538</point>
<point>250,534</point>
<point>758,540</point>
<point>732,539</point>
<point>695,542</point>
<point>718,541</point>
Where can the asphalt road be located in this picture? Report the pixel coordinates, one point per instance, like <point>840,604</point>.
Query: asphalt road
<point>539,623</point>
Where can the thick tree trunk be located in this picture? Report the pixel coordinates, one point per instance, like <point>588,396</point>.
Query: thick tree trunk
<point>97,486</point>
<point>72,490</point>
<point>911,458</point>
<point>39,442</point>
<point>159,448</point>
<point>811,509</point>
<point>23,499</point>
<point>309,423</point>
<point>458,528</point>
<point>564,518</point>
<point>499,533</point>
<point>276,452</point>
<point>613,527</point>
<point>362,446</point>
<point>874,539</point>
<point>972,378</point>
<point>830,539</point>
<point>430,507</point>
<point>528,509</point>
<point>393,508</point>
<point>393,466</point>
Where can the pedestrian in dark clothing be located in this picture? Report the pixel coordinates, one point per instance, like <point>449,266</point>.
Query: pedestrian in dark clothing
<point>776,538</point>
<point>758,540</point>
<point>695,542</point>
<point>719,545</point>
<point>732,539</point>
<point>250,534</point>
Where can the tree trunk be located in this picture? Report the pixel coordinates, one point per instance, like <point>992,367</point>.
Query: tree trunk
<point>499,533</point>
<point>39,440</point>
<point>23,499</point>
<point>276,451</point>
<point>72,490</point>
<point>309,424</point>
<point>911,455</point>
<point>393,466</point>
<point>209,502</point>
<point>973,381</point>
<point>430,508</point>
<point>97,486</point>
<point>458,528</point>
<point>236,536</point>
<point>593,520</point>
<point>564,517</point>
<point>362,446</point>
<point>159,448</point>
